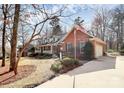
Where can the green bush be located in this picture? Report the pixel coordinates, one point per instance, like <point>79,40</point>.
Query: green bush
<point>69,61</point>
<point>88,51</point>
<point>56,67</point>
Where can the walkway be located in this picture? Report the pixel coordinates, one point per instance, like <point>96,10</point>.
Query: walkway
<point>96,73</point>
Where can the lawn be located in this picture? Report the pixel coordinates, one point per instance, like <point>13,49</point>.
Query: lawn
<point>31,72</point>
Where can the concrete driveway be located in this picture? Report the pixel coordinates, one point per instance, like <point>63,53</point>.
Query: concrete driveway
<point>97,73</point>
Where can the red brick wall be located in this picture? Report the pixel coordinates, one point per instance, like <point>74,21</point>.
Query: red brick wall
<point>80,36</point>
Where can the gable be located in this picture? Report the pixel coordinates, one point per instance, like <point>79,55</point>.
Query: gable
<point>80,35</point>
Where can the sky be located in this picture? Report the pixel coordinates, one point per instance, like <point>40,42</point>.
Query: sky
<point>85,11</point>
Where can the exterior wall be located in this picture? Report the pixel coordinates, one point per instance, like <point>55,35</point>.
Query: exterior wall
<point>80,37</point>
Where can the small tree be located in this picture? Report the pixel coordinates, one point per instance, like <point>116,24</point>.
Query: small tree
<point>88,51</point>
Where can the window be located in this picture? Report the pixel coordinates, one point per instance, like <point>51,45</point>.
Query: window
<point>47,47</point>
<point>82,44</point>
<point>69,47</point>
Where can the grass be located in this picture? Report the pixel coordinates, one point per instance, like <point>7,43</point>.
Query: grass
<point>41,73</point>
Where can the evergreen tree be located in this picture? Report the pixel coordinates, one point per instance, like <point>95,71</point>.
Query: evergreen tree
<point>78,21</point>
<point>88,51</point>
<point>56,28</point>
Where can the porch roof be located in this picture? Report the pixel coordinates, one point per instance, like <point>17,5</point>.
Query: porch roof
<point>44,45</point>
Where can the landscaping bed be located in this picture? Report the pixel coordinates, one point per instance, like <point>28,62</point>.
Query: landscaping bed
<point>7,77</point>
<point>31,72</point>
<point>66,69</point>
<point>65,65</point>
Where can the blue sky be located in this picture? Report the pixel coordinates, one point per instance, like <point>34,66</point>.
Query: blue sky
<point>85,11</point>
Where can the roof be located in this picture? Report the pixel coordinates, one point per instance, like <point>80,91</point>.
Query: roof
<point>98,40</point>
<point>76,27</point>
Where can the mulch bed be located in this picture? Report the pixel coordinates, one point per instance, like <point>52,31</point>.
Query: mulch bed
<point>9,77</point>
<point>68,68</point>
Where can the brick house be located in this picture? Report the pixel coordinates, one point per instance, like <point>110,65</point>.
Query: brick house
<point>72,43</point>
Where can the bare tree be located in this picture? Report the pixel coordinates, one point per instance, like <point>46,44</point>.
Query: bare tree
<point>117,24</point>
<point>35,19</point>
<point>13,59</point>
<point>4,10</point>
<point>101,22</point>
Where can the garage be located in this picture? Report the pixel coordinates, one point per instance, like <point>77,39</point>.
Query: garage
<point>99,47</point>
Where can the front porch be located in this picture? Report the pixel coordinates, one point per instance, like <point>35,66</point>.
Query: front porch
<point>49,49</point>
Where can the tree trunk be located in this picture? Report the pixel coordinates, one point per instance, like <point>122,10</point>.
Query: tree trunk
<point>20,54</point>
<point>14,39</point>
<point>4,8</point>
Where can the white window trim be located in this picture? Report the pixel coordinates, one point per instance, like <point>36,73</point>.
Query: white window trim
<point>80,46</point>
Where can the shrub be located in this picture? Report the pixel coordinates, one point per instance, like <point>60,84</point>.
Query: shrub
<point>88,51</point>
<point>32,50</point>
<point>33,55</point>
<point>69,61</point>
<point>56,67</point>
<point>44,55</point>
